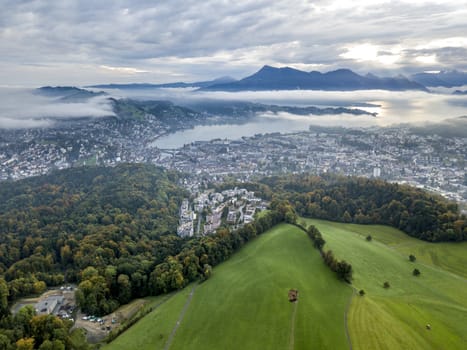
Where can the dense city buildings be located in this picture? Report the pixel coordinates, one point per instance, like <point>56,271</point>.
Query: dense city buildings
<point>437,163</point>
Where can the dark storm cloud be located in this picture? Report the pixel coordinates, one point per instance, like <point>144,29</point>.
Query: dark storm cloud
<point>96,41</point>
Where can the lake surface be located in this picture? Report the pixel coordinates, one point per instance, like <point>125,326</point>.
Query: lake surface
<point>262,124</point>
<point>413,107</point>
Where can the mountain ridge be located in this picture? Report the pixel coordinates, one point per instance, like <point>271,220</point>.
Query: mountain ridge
<point>179,84</point>
<point>441,79</point>
<point>67,93</point>
<point>287,78</point>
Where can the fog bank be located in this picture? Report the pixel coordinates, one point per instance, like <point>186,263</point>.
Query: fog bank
<point>21,108</point>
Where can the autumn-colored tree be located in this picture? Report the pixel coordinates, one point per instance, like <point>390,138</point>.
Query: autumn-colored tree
<point>25,344</point>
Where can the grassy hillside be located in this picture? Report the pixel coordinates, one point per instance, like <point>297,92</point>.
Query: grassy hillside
<point>396,317</point>
<point>244,305</point>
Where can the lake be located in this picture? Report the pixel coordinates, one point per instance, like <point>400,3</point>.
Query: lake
<point>414,107</point>
<point>262,124</point>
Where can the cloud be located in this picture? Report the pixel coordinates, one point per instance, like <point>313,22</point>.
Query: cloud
<point>391,107</point>
<point>124,70</point>
<point>20,108</point>
<point>386,56</point>
<point>427,59</point>
<point>88,42</point>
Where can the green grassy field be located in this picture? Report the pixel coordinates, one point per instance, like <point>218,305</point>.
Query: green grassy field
<point>396,318</point>
<point>449,256</point>
<point>153,330</point>
<point>245,306</point>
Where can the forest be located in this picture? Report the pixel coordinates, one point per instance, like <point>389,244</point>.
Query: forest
<point>109,230</point>
<point>53,227</point>
<point>359,200</point>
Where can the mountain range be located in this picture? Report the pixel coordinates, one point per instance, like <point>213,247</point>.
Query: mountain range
<point>180,84</point>
<point>286,78</point>
<point>441,79</point>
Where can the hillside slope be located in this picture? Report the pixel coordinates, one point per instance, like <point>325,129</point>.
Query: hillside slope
<point>396,317</point>
<point>245,306</point>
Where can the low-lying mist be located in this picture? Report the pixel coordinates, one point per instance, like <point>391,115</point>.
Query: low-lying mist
<point>392,107</point>
<point>22,108</point>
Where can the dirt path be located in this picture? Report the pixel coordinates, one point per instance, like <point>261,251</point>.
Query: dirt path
<point>347,334</point>
<point>180,318</point>
<point>292,327</point>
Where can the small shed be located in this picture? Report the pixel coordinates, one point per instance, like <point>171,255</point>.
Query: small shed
<point>293,295</point>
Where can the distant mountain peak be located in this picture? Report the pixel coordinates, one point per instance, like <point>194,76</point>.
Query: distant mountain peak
<point>287,78</point>
<point>343,70</point>
<point>267,67</point>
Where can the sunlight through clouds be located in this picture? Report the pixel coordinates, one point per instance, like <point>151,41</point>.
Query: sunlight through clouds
<point>44,42</point>
<point>429,59</point>
<point>446,42</point>
<point>370,52</point>
<point>126,70</point>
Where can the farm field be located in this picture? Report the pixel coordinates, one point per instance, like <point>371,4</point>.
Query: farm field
<point>245,303</point>
<point>396,317</point>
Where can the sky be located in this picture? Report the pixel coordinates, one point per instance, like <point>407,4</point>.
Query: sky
<point>71,42</point>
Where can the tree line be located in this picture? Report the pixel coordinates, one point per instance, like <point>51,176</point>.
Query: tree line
<point>341,268</point>
<point>418,213</point>
<point>102,290</point>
